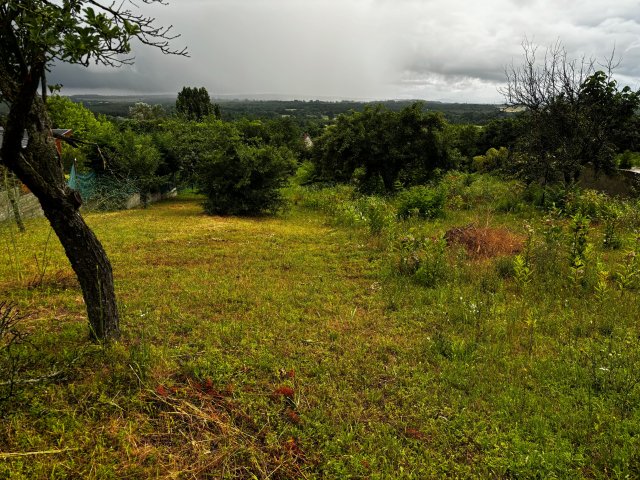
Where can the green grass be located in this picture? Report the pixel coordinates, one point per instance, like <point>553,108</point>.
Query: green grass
<point>292,347</point>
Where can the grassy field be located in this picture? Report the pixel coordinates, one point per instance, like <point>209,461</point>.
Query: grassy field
<point>307,345</point>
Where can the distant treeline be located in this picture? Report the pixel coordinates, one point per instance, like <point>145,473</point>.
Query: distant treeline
<point>301,110</point>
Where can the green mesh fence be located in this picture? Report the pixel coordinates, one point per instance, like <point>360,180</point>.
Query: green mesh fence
<point>102,192</point>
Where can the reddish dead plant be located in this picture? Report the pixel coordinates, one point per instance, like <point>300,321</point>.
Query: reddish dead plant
<point>484,242</point>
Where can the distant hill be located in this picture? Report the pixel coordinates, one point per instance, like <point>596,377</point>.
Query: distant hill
<point>301,110</point>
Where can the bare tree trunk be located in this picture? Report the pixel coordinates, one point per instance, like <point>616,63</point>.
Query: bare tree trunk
<point>91,265</point>
<point>13,201</point>
<point>60,205</point>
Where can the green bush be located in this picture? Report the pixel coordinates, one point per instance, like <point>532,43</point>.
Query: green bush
<point>245,180</point>
<point>491,191</point>
<point>611,214</point>
<point>368,185</point>
<point>546,198</point>
<point>348,214</point>
<point>347,208</point>
<point>421,202</point>
<point>455,183</point>
<point>629,217</point>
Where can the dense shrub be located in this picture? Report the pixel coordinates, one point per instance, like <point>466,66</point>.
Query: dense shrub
<point>546,197</point>
<point>347,208</point>
<point>421,201</point>
<point>244,180</point>
<point>593,204</point>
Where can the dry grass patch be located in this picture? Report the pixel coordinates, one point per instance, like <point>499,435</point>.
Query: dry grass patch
<point>484,242</point>
<point>200,430</point>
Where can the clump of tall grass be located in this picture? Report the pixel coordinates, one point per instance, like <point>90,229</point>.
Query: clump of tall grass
<point>421,258</point>
<point>325,199</point>
<point>345,207</point>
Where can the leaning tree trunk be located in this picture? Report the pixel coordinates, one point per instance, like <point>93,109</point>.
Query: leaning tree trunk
<point>89,262</point>
<point>40,169</point>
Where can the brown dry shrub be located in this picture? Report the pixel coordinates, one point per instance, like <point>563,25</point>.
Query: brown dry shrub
<point>484,242</point>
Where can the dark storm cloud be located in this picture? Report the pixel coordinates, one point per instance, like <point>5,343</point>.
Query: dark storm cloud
<point>450,50</point>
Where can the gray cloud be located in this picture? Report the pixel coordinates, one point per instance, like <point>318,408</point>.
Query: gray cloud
<point>452,50</point>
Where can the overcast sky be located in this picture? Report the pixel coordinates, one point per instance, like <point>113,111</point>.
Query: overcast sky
<point>447,50</point>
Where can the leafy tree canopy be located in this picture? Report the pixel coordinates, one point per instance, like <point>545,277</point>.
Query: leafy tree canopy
<point>64,113</point>
<point>195,104</point>
<point>574,115</point>
<point>142,111</point>
<point>382,148</point>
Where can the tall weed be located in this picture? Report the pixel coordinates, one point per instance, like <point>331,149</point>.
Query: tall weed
<point>522,263</point>
<point>578,248</point>
<point>422,258</point>
<point>377,213</point>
